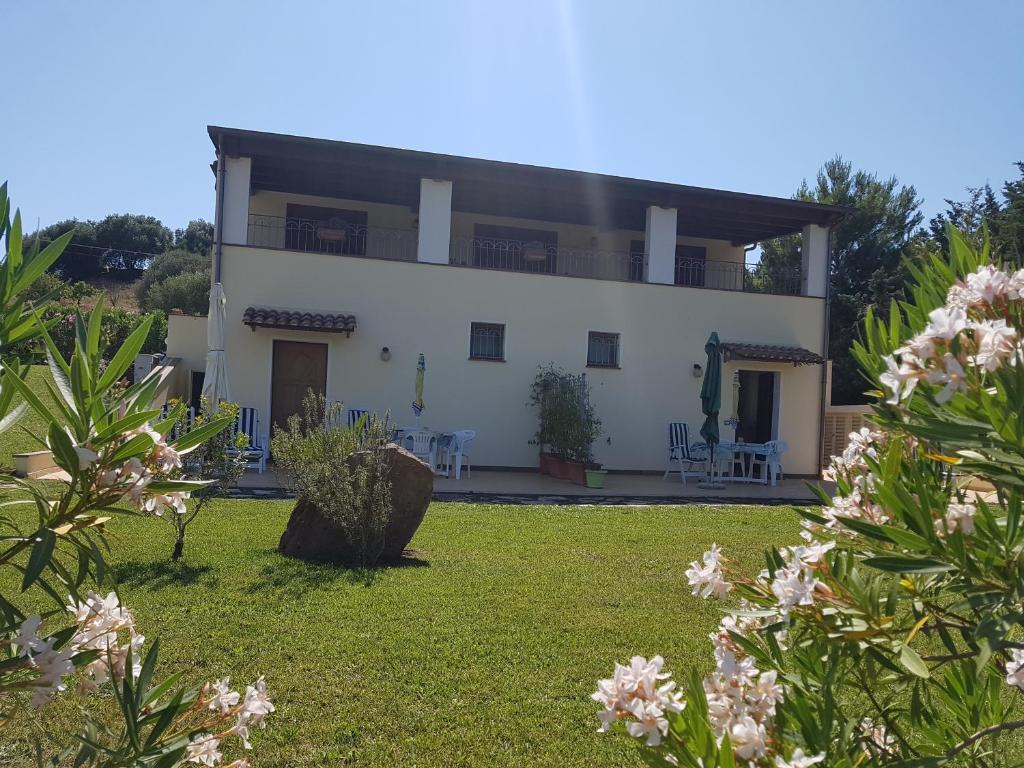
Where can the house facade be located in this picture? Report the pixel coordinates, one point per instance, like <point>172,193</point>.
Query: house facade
<point>342,263</point>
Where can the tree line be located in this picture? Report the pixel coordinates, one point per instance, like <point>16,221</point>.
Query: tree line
<point>884,233</point>
<point>172,266</point>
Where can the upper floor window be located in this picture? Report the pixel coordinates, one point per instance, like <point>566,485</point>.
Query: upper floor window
<point>515,248</point>
<point>325,230</point>
<point>602,350</point>
<point>691,263</point>
<point>486,341</point>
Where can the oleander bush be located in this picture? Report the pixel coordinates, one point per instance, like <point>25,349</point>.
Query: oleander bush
<point>57,628</point>
<point>893,633</point>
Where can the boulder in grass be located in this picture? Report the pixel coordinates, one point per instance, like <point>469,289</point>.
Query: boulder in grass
<point>311,536</point>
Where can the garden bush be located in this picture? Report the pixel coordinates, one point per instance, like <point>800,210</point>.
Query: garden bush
<point>189,292</point>
<point>316,452</point>
<point>568,425</point>
<point>167,265</point>
<point>893,634</point>
<point>56,626</point>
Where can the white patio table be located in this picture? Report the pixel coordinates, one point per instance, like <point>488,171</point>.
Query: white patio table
<point>438,444</point>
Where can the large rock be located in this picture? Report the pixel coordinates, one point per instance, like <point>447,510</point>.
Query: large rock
<point>310,536</point>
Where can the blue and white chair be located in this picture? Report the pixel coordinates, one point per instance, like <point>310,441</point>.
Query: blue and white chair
<point>679,452</point>
<point>255,451</point>
<point>355,414</point>
<point>178,430</point>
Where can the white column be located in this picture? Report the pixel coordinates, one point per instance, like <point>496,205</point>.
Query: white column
<point>435,221</point>
<point>237,171</point>
<point>814,260</point>
<point>661,245</point>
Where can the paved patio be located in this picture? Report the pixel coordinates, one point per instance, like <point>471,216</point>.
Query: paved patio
<point>513,487</point>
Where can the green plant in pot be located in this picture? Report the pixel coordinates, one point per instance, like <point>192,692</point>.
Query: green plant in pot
<point>568,425</point>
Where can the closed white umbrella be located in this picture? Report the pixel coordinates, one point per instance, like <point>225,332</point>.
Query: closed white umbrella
<point>215,382</point>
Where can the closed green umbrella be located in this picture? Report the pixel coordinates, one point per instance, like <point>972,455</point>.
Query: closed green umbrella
<point>711,401</point>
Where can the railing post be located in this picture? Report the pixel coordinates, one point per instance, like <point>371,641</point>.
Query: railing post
<point>435,221</point>
<point>661,245</point>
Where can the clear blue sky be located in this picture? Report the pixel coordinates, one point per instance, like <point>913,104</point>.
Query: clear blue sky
<point>108,102</point>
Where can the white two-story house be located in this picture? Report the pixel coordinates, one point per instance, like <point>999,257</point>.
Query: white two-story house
<point>342,263</point>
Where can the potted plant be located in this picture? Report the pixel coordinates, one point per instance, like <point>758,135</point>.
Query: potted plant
<point>567,425</point>
<point>595,476</point>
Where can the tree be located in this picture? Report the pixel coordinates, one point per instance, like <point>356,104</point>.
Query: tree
<point>197,237</point>
<point>169,264</point>
<point>867,251</point>
<point>82,259</point>
<point>982,212</point>
<point>131,239</point>
<point>891,633</point>
<point>220,459</point>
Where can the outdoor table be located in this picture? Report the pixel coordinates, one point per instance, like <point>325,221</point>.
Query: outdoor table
<point>728,450</point>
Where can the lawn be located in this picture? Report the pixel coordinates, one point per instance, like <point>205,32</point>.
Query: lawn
<point>482,649</point>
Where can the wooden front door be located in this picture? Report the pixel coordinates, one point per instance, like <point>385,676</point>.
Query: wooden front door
<point>298,367</point>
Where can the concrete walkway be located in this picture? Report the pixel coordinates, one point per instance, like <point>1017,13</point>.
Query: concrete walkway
<point>527,487</point>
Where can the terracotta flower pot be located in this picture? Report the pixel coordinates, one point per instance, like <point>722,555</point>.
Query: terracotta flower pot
<point>575,472</point>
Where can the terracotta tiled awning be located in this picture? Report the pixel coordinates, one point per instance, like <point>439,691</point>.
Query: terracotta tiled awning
<point>770,353</point>
<point>299,320</point>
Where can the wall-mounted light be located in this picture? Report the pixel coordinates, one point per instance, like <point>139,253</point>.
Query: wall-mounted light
<point>385,354</point>
<point>698,370</point>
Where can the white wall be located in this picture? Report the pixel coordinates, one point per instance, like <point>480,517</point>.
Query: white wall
<point>237,172</point>
<point>413,308</point>
<point>186,340</point>
<point>814,259</point>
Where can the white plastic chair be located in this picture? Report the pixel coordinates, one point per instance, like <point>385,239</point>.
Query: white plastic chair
<point>770,462</point>
<point>458,450</point>
<point>422,445</point>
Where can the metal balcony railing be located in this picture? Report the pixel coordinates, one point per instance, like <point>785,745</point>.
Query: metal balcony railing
<point>539,258</point>
<point>341,238</point>
<point>345,239</point>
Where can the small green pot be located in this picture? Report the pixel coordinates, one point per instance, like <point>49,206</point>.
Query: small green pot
<point>595,478</point>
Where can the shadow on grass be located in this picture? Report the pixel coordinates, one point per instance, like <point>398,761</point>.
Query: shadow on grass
<point>162,573</point>
<point>294,578</point>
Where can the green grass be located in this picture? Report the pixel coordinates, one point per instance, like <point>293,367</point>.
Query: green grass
<point>481,650</point>
<point>18,438</point>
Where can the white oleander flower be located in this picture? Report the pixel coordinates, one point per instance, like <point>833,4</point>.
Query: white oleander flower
<point>951,376</point>
<point>640,694</point>
<point>174,500</point>
<point>86,457</point>
<point>799,760</point>
<point>203,750</point>
<point>748,738</point>
<point>958,517</point>
<point>707,579</point>
<point>27,638</point>
<point>53,666</point>
<point>1015,669</point>
<point>223,698</point>
<point>996,343</point>
<point>945,323</point>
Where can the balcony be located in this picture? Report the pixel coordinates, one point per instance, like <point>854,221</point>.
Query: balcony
<point>538,258</point>
<point>532,257</point>
<point>333,237</point>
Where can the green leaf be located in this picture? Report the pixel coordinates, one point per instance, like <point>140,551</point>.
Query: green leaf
<point>63,449</point>
<point>196,437</point>
<point>125,355</point>
<point>897,564</point>
<point>40,557</point>
<point>40,263</point>
<point>910,659</point>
